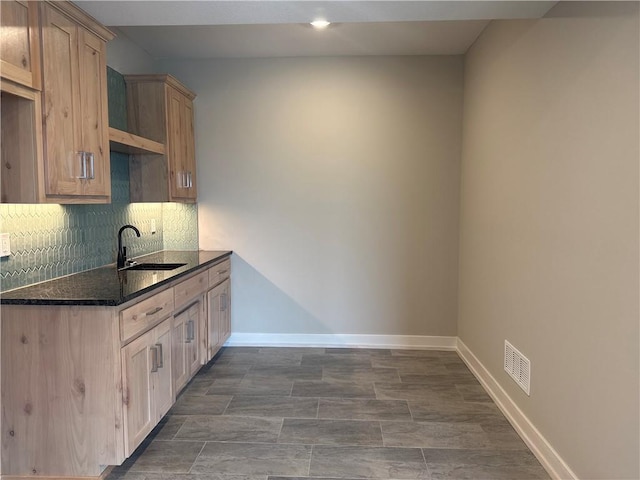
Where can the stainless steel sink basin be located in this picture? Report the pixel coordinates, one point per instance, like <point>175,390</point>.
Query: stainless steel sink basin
<point>155,266</point>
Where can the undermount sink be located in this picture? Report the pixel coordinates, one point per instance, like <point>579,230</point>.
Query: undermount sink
<point>155,266</point>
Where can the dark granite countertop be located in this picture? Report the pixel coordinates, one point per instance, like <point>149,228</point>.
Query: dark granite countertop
<point>108,286</point>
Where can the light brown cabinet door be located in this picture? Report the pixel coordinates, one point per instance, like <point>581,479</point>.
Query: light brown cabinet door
<point>177,175</point>
<point>219,317</point>
<point>162,383</point>
<point>147,387</point>
<point>61,99</point>
<point>185,341</point>
<point>179,334</point>
<point>20,42</point>
<point>180,145</point>
<point>188,141</point>
<point>192,351</point>
<point>213,321</point>
<point>94,116</point>
<point>76,153</point>
<point>182,159</point>
<point>137,366</point>
<point>225,307</point>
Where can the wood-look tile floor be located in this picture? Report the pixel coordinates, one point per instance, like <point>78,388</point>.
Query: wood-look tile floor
<point>292,413</point>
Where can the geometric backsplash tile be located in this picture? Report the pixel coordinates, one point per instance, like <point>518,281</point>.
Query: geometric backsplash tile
<point>49,241</point>
<point>180,226</point>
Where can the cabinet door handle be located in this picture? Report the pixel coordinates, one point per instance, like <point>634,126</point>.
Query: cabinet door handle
<point>183,180</point>
<point>154,359</point>
<point>190,180</point>
<point>193,330</point>
<point>153,312</point>
<point>83,166</point>
<point>91,156</point>
<point>160,359</point>
<point>188,336</point>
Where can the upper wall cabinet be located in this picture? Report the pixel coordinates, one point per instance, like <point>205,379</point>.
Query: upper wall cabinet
<point>20,42</point>
<point>160,108</point>
<point>72,124</point>
<point>76,135</point>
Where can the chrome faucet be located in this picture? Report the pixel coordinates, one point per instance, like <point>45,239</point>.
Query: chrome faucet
<point>122,251</point>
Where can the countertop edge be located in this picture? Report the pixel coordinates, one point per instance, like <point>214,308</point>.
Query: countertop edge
<point>111,302</point>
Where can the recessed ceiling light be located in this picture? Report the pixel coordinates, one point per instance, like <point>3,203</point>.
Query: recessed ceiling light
<point>320,24</point>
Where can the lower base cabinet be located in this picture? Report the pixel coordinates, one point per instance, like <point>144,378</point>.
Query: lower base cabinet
<point>82,386</point>
<point>147,383</point>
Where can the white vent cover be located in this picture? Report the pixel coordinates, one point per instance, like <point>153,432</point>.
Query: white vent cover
<point>517,366</point>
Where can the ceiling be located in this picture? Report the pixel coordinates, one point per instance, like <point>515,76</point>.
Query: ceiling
<point>222,29</point>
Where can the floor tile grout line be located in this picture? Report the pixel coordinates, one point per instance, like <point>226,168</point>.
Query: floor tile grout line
<point>204,444</point>
<point>381,433</point>
<point>227,405</point>
<point>310,459</point>
<point>177,431</point>
<point>425,463</point>
<point>280,430</point>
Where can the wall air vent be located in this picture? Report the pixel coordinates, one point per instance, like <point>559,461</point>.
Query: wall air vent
<point>517,366</point>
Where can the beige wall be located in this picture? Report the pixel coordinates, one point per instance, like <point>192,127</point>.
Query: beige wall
<point>126,57</point>
<point>549,226</point>
<point>335,180</point>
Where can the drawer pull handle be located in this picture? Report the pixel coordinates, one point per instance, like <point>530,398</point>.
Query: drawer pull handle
<point>154,359</point>
<point>220,272</point>
<point>160,361</point>
<point>153,312</point>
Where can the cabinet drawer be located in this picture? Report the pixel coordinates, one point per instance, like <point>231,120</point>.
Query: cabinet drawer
<point>190,289</point>
<point>139,317</point>
<point>219,272</point>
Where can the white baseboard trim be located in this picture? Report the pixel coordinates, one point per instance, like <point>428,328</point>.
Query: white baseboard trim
<point>340,340</point>
<point>544,452</point>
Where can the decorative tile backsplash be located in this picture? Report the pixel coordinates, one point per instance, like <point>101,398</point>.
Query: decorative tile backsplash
<point>180,230</point>
<point>48,241</point>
